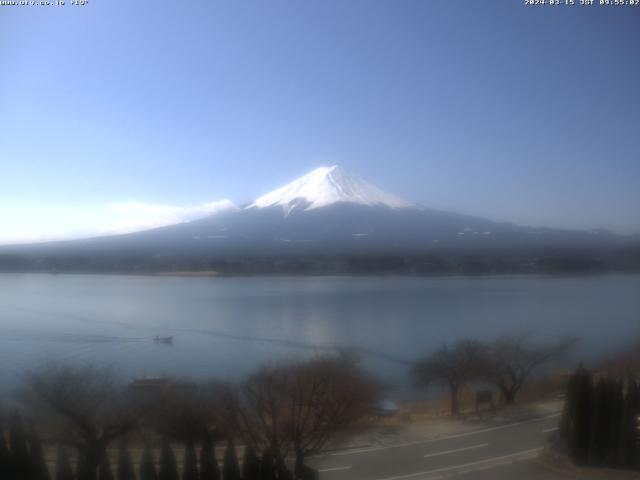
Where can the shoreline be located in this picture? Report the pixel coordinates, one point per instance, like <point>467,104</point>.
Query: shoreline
<point>217,274</point>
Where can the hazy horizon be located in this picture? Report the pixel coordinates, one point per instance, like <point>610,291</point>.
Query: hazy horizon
<point>120,117</point>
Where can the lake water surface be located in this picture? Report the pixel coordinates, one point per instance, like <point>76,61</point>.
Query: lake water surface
<point>226,327</point>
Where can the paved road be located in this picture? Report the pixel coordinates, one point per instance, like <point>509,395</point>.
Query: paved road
<point>490,452</point>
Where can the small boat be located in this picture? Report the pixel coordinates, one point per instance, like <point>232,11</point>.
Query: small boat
<point>158,339</point>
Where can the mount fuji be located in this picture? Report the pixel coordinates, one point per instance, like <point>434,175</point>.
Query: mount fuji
<point>329,212</point>
<point>326,186</point>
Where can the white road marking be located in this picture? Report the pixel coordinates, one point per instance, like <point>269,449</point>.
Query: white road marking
<point>446,452</point>
<point>495,460</point>
<point>550,430</point>
<point>439,439</point>
<point>333,469</point>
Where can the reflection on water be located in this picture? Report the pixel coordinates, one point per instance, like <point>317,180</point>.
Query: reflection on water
<point>225,327</point>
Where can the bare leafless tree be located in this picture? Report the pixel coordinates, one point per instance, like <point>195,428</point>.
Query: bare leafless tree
<point>326,396</point>
<point>189,413</point>
<point>513,358</point>
<point>256,409</point>
<point>452,367</point>
<point>299,407</point>
<point>83,407</point>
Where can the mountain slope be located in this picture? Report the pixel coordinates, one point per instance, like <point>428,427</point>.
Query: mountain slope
<point>328,212</point>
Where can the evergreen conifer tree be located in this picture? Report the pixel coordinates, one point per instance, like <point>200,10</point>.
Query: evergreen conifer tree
<point>599,439</point>
<point>4,453</point>
<point>63,466</point>
<point>104,469</point>
<point>634,448</point>
<point>190,464</point>
<point>251,464</point>
<point>615,422</point>
<point>86,468</point>
<point>629,430</point>
<point>281,469</point>
<point>568,410</point>
<point>581,417</point>
<point>125,470</point>
<point>230,467</point>
<point>148,466</point>
<point>19,453</point>
<point>267,466</point>
<point>209,469</point>
<point>37,463</point>
<point>168,465</point>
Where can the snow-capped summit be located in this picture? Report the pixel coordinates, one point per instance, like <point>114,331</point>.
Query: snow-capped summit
<point>325,186</point>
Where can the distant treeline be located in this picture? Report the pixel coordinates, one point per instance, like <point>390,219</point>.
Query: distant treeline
<point>352,264</point>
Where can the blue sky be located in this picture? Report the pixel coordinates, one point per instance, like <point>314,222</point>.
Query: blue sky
<point>121,112</point>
